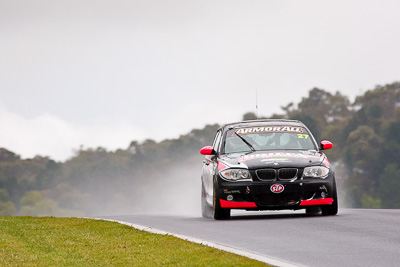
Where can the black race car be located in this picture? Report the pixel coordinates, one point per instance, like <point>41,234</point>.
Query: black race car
<point>266,165</point>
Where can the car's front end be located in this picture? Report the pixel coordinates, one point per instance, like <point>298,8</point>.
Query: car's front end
<point>267,165</point>
<point>274,180</point>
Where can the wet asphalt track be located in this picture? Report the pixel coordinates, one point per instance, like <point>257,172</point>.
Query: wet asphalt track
<point>355,237</point>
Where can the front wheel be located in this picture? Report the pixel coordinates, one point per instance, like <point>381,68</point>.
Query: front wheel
<point>313,210</point>
<point>218,212</point>
<point>206,210</point>
<point>331,209</point>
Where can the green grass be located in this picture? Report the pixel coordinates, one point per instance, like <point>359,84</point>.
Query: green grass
<point>48,241</point>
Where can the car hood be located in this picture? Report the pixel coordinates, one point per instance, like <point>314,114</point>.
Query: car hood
<point>274,159</point>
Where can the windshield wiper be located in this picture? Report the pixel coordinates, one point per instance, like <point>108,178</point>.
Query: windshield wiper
<point>246,142</point>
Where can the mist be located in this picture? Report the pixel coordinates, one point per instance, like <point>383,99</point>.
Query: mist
<point>342,177</point>
<point>176,191</point>
<point>148,177</point>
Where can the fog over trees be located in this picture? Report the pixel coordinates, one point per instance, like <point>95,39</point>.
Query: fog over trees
<point>164,176</point>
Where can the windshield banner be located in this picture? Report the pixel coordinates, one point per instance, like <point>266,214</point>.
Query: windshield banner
<point>278,129</point>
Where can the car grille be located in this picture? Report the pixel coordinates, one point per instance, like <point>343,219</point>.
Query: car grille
<point>266,174</point>
<point>287,174</point>
<point>274,174</point>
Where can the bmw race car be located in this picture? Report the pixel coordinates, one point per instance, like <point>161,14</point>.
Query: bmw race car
<point>266,165</point>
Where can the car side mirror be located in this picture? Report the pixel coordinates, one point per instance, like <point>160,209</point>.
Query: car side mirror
<point>207,150</point>
<point>325,144</point>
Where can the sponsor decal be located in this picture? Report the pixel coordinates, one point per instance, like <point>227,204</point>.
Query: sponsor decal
<point>277,156</point>
<point>231,192</point>
<point>277,188</point>
<point>277,129</point>
<point>229,198</point>
<point>274,161</point>
<point>309,152</point>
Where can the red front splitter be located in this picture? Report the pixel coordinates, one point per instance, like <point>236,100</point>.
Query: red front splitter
<point>316,202</point>
<point>233,204</point>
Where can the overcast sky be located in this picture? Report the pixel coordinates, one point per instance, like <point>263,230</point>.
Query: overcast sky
<point>104,73</point>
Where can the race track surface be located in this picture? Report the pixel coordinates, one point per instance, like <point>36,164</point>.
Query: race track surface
<point>355,237</point>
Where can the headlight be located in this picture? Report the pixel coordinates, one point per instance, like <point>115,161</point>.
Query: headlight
<point>235,174</point>
<point>316,172</point>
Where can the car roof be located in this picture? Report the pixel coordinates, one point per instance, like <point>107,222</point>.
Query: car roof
<point>263,122</point>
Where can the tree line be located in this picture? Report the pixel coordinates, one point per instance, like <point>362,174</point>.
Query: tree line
<point>146,174</point>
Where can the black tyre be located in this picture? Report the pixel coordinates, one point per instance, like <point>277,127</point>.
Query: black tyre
<point>218,212</point>
<point>206,210</point>
<point>331,209</point>
<point>313,210</point>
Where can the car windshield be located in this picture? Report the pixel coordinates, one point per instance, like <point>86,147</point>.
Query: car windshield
<point>267,138</point>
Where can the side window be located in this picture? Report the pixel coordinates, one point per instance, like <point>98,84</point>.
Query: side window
<point>217,140</point>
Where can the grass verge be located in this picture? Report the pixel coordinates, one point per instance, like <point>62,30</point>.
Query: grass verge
<point>49,241</point>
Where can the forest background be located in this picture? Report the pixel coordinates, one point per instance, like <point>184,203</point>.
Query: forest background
<point>164,177</point>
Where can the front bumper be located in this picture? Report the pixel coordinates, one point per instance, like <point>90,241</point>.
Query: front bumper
<point>248,205</point>
<point>257,195</point>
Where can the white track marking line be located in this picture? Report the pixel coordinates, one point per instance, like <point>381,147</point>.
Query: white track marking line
<point>268,260</point>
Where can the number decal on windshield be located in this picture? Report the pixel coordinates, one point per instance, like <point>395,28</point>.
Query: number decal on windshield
<point>305,136</point>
